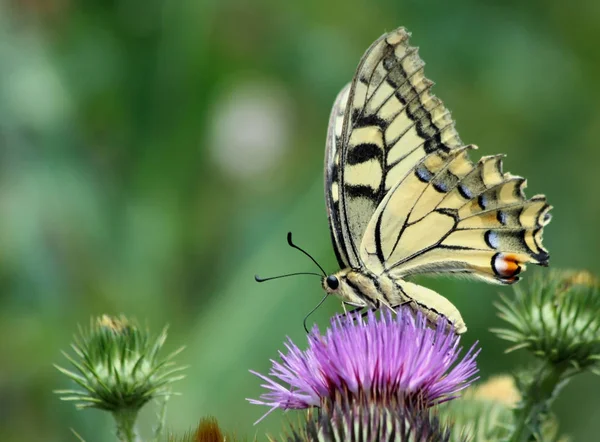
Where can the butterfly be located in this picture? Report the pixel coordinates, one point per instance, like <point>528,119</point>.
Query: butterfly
<point>403,198</point>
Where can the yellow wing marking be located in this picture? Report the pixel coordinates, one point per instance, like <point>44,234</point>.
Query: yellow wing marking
<point>369,134</point>
<point>400,170</point>
<point>432,304</point>
<point>426,233</point>
<point>364,174</point>
<point>458,166</point>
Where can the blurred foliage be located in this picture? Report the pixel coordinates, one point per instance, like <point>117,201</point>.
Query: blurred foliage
<point>154,154</point>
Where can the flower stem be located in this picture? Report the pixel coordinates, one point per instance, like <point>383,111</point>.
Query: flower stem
<point>537,397</point>
<point>125,420</point>
<point>162,417</point>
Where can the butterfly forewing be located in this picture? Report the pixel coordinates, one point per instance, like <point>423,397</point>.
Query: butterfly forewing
<point>332,183</point>
<point>388,123</point>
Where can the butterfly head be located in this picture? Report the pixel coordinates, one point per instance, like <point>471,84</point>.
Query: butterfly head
<point>331,283</point>
<point>348,285</point>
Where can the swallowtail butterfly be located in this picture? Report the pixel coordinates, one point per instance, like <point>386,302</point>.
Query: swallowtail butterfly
<point>403,197</point>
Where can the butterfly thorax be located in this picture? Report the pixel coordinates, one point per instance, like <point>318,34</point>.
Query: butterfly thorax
<point>362,288</point>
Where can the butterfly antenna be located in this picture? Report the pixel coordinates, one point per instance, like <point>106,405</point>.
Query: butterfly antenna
<point>291,243</point>
<point>259,279</point>
<point>313,310</point>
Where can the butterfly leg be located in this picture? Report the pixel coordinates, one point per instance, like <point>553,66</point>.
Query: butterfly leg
<point>361,310</point>
<point>364,314</point>
<point>397,306</point>
<point>354,310</point>
<point>350,312</point>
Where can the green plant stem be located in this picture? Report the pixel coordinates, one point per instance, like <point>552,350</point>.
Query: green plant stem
<point>162,417</point>
<point>125,420</point>
<point>537,397</point>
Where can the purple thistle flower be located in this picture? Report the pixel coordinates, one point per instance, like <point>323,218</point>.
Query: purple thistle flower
<point>397,359</point>
<point>361,421</point>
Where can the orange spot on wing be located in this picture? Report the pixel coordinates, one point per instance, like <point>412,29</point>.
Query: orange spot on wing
<point>510,266</point>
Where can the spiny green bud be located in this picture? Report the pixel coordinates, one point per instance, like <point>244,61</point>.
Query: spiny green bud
<point>557,318</point>
<point>117,367</point>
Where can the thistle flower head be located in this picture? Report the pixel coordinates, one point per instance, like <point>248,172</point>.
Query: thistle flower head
<point>117,366</point>
<point>208,430</point>
<point>557,318</point>
<point>396,359</point>
<point>361,421</point>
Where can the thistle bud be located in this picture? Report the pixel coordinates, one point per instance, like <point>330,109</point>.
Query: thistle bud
<point>557,318</point>
<point>118,369</point>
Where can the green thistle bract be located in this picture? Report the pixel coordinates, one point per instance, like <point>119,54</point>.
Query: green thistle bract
<point>117,366</point>
<point>557,318</point>
<point>358,419</point>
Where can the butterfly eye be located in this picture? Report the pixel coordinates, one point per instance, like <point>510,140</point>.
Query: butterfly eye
<point>332,282</point>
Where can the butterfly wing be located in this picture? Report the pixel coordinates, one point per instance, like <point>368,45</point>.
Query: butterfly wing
<point>450,215</point>
<point>332,184</point>
<point>381,125</point>
<point>403,197</point>
<point>432,304</point>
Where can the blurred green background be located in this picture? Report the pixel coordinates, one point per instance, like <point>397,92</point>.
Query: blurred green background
<point>154,154</point>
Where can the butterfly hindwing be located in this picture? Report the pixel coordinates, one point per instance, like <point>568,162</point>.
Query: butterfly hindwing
<point>432,304</point>
<point>449,215</point>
